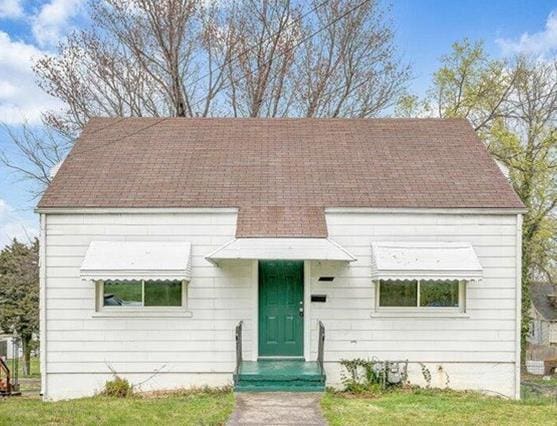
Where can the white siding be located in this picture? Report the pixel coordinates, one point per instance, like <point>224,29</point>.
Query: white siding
<point>197,348</point>
<point>80,347</point>
<point>477,351</point>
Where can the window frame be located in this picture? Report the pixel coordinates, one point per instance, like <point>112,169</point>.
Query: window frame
<point>461,308</point>
<point>99,299</point>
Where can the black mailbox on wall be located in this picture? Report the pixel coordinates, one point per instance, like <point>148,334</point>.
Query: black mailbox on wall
<point>320,298</point>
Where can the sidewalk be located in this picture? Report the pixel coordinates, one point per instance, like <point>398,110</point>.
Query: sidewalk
<point>277,408</point>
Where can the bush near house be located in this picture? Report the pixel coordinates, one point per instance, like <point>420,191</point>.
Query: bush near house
<point>118,388</point>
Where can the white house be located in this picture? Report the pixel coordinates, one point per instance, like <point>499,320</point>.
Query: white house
<point>543,327</point>
<point>159,237</point>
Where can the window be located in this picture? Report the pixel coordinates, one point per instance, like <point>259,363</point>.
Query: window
<point>439,294</point>
<point>425,294</point>
<point>398,293</point>
<point>141,294</point>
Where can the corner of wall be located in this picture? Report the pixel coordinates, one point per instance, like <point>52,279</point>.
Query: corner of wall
<point>42,303</point>
<point>518,293</point>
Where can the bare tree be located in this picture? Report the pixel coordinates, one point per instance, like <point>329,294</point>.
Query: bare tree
<point>211,58</point>
<point>260,80</point>
<point>337,61</point>
<point>248,58</point>
<point>35,155</point>
<point>141,58</point>
<point>350,69</point>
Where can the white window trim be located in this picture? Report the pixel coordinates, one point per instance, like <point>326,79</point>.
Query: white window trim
<point>142,311</point>
<point>413,311</point>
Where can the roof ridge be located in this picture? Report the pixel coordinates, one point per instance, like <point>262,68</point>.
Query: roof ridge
<point>340,119</point>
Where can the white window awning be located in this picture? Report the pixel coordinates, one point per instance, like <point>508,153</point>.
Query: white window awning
<point>280,248</point>
<point>425,260</point>
<point>135,260</point>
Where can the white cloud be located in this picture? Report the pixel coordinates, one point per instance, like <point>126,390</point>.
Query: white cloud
<point>53,20</point>
<point>14,226</point>
<point>11,9</point>
<point>20,97</point>
<point>542,43</point>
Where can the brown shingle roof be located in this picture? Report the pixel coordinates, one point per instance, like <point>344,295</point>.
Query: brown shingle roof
<point>279,171</point>
<point>275,221</point>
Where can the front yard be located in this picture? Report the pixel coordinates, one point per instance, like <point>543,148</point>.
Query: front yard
<point>428,407</point>
<point>422,407</point>
<point>188,408</point>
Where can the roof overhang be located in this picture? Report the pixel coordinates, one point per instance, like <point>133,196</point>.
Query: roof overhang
<point>134,260</point>
<point>425,260</point>
<point>280,248</point>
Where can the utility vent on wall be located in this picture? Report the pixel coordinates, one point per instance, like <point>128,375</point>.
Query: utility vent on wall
<point>327,279</point>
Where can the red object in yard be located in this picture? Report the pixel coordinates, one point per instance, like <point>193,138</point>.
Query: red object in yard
<point>5,385</point>
<point>7,388</point>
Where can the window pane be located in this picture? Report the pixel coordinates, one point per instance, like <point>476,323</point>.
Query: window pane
<point>163,293</point>
<point>122,293</point>
<point>398,293</point>
<point>439,294</point>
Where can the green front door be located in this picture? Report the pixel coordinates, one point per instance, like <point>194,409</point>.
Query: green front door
<point>281,302</point>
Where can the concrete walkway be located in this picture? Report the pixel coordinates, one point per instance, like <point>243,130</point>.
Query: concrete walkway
<point>277,408</point>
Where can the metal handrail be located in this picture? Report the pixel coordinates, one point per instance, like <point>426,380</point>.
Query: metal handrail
<point>321,347</point>
<point>238,336</point>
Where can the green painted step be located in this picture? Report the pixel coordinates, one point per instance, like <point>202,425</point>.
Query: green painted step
<point>278,388</point>
<point>279,375</point>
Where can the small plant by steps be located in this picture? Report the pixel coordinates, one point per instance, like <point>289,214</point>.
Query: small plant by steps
<point>118,388</point>
<point>372,376</point>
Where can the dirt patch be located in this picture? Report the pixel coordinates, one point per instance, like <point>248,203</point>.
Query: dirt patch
<point>535,388</point>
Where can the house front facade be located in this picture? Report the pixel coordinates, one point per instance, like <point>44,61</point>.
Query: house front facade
<point>190,252</point>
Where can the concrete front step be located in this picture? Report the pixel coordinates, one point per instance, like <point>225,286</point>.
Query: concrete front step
<point>279,376</point>
<point>291,377</point>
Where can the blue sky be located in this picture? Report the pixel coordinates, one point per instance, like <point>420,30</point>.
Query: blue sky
<point>425,30</point>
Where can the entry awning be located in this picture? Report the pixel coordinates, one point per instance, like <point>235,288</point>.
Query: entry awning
<point>134,260</point>
<point>425,260</point>
<point>281,248</point>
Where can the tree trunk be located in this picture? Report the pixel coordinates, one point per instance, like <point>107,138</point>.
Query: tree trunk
<point>26,341</point>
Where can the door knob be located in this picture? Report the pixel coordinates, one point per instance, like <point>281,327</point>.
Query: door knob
<point>301,311</point>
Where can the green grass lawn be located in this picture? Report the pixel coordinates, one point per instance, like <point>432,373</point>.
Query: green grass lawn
<point>35,368</point>
<point>420,407</point>
<point>428,407</point>
<point>187,408</point>
<point>31,383</point>
<point>552,381</point>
